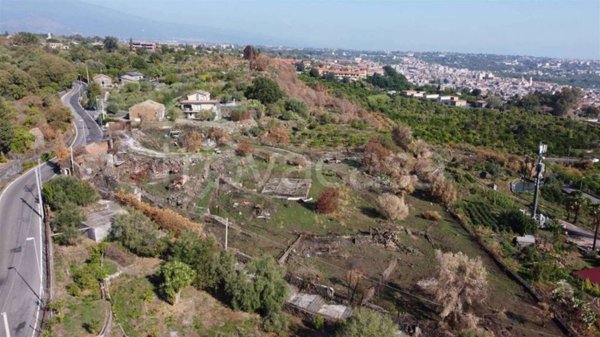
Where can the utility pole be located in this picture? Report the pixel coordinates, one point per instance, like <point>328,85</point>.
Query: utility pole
<point>539,169</point>
<point>72,161</point>
<point>226,232</point>
<point>87,72</point>
<point>6,329</point>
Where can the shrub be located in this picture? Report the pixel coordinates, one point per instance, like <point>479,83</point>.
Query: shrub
<point>67,190</point>
<point>199,253</point>
<point>328,201</point>
<point>137,233</point>
<point>432,215</point>
<point>517,222</point>
<point>443,190</point>
<point>402,136</point>
<point>367,323</point>
<point>244,148</point>
<point>392,207</point>
<point>240,115</point>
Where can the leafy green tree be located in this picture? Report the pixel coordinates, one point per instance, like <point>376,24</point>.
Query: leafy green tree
<point>261,288</point>
<point>367,323</point>
<point>110,44</point>
<point>67,222</point>
<point>64,191</point>
<point>265,90</point>
<point>175,275</point>
<point>93,91</point>
<point>297,106</point>
<point>6,128</point>
<point>199,253</point>
<point>138,233</point>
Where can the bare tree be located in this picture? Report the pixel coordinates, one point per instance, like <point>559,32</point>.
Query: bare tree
<point>443,190</point>
<point>459,284</point>
<point>402,136</point>
<point>392,207</point>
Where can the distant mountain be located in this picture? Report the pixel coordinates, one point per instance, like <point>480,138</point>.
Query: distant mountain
<point>67,17</point>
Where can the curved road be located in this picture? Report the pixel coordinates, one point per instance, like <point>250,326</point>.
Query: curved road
<point>22,255</point>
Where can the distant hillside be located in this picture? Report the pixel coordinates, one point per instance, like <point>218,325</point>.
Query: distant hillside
<point>76,17</point>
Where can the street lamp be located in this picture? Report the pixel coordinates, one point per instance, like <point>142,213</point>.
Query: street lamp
<point>6,329</point>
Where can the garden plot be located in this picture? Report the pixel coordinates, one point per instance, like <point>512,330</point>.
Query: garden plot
<point>287,188</point>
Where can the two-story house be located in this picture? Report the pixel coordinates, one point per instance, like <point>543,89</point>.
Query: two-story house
<point>197,101</point>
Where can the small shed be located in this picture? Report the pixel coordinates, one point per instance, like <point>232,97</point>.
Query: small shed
<point>525,240</point>
<point>100,219</point>
<point>104,81</point>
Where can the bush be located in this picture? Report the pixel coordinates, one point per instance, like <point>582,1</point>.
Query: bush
<point>517,222</point>
<point>367,323</point>
<point>432,215</point>
<point>67,190</point>
<point>138,233</point>
<point>296,106</point>
<point>328,201</point>
<point>244,148</point>
<point>392,207</point>
<point>21,141</point>
<point>199,253</point>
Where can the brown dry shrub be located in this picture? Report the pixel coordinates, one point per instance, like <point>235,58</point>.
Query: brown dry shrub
<point>328,201</point>
<point>392,207</point>
<point>420,149</point>
<point>425,170</point>
<point>165,218</point>
<point>278,134</point>
<point>402,136</point>
<point>59,147</point>
<point>404,184</point>
<point>244,148</point>
<point>443,190</point>
<point>375,154</point>
<point>260,63</point>
<point>219,136</point>
<point>193,141</point>
<point>432,215</point>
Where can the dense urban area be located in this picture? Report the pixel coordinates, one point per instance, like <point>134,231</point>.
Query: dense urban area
<point>225,190</point>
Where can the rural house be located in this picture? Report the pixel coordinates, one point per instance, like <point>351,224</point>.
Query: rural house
<point>148,110</point>
<point>104,81</point>
<point>132,77</point>
<point>196,102</point>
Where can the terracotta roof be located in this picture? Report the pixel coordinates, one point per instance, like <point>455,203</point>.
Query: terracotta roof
<point>592,274</point>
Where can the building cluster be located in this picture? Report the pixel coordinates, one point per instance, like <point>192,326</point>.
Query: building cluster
<point>423,73</point>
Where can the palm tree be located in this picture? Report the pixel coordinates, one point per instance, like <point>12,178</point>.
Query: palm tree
<point>573,203</point>
<point>594,212</point>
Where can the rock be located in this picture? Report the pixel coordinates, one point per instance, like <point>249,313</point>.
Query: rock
<point>39,138</point>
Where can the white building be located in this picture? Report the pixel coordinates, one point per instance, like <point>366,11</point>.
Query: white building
<point>132,77</point>
<point>197,101</point>
<point>104,81</point>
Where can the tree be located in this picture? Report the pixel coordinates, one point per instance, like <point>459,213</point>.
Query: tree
<point>573,204</point>
<point>265,90</point>
<point>21,141</point>
<point>199,253</point>
<point>392,207</point>
<point>66,222</point>
<point>390,80</point>
<point>460,283</point>
<point>175,276</point>
<point>367,323</point>
<point>6,128</point>
<point>594,212</point>
<point>261,288</point>
<point>328,201</point>
<point>93,92</point>
<point>111,43</point>
<point>137,233</point>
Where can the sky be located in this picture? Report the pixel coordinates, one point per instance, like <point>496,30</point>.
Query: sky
<point>556,28</point>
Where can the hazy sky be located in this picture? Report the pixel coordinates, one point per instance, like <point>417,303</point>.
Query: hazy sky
<point>561,28</point>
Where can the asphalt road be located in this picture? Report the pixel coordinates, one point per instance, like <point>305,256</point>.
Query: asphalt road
<point>22,257</point>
